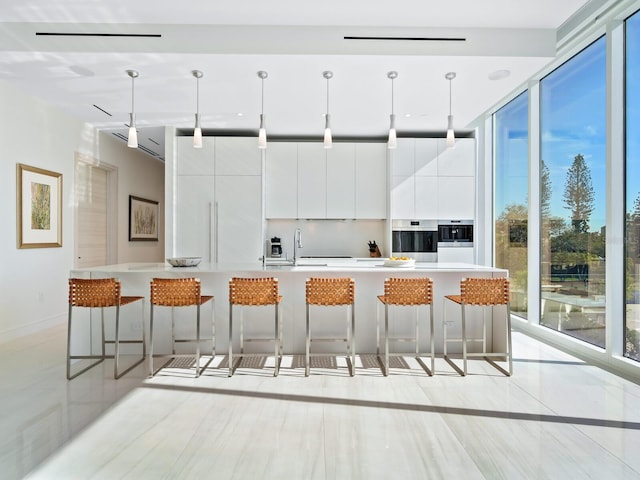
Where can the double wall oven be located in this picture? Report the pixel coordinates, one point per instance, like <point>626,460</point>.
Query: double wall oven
<point>416,239</point>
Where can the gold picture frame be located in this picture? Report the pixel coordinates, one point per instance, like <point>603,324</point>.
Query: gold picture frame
<point>39,207</point>
<point>144,216</point>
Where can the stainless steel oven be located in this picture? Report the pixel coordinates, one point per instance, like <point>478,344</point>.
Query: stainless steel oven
<point>416,239</point>
<point>459,232</point>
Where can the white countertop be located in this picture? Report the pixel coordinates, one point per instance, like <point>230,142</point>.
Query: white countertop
<point>305,265</point>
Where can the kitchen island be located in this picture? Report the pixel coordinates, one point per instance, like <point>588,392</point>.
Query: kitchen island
<point>369,275</point>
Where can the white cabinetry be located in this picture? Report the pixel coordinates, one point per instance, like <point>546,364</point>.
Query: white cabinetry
<point>238,156</point>
<point>341,177</point>
<point>281,183</point>
<point>455,254</point>
<point>193,209</point>
<point>371,180</point>
<point>431,181</point>
<point>456,180</point>
<point>218,206</point>
<point>238,217</point>
<point>312,180</point>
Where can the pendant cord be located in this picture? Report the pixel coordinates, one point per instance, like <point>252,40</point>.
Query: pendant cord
<point>392,80</point>
<point>132,94</point>
<point>262,93</point>
<point>197,96</point>
<point>327,96</point>
<point>449,96</point>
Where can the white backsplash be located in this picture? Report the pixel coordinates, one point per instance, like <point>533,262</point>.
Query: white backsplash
<point>329,237</point>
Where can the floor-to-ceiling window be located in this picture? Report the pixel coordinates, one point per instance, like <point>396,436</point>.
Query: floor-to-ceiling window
<point>572,195</point>
<point>511,150</point>
<point>632,251</point>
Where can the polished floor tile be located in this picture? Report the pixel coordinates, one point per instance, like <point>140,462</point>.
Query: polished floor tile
<point>557,417</point>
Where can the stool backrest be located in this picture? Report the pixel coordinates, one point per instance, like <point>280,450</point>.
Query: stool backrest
<point>253,291</point>
<point>485,291</point>
<point>95,292</point>
<point>330,291</point>
<point>408,291</point>
<point>175,292</point>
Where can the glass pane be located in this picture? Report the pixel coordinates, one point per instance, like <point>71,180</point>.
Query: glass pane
<point>572,193</point>
<point>632,279</point>
<point>511,126</point>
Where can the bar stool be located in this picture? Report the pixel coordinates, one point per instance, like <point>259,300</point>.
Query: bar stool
<point>481,292</point>
<point>403,292</point>
<point>254,292</point>
<point>180,292</point>
<point>331,292</point>
<point>101,293</point>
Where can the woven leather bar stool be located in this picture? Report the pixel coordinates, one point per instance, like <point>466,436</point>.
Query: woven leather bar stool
<point>482,292</point>
<point>101,293</point>
<point>331,292</point>
<point>406,292</point>
<point>180,292</point>
<point>255,292</point>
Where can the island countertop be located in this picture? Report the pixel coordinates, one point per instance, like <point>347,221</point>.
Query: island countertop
<point>369,275</point>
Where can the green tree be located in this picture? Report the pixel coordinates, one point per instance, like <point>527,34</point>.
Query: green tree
<point>579,195</point>
<point>545,190</point>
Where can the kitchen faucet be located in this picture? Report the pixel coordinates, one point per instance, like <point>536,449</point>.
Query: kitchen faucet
<point>297,243</point>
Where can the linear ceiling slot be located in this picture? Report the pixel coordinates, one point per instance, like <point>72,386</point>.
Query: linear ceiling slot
<point>411,39</point>
<point>153,141</point>
<point>102,110</point>
<point>97,34</point>
<point>146,150</point>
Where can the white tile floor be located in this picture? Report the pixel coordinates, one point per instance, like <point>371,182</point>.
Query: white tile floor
<point>557,417</point>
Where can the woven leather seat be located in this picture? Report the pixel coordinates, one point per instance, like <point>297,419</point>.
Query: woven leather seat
<point>101,293</point>
<point>482,292</point>
<point>180,292</point>
<point>254,292</point>
<point>406,292</point>
<point>331,292</point>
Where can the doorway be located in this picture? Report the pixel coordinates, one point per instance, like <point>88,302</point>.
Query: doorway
<point>95,212</point>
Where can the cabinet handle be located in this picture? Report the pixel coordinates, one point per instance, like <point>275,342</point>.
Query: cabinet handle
<point>210,226</point>
<point>216,232</point>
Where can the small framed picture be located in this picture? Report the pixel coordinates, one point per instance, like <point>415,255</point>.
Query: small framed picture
<point>143,219</point>
<point>39,207</point>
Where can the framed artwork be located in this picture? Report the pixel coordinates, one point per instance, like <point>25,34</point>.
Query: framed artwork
<point>39,207</point>
<point>143,219</point>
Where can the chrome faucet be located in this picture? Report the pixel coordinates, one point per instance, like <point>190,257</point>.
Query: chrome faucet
<point>297,243</point>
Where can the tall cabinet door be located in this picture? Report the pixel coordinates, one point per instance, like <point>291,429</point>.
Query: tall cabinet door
<point>238,218</point>
<point>281,182</point>
<point>341,200</point>
<point>371,180</point>
<point>193,208</point>
<point>312,180</point>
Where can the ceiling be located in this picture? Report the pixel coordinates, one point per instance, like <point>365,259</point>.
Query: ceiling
<point>74,53</point>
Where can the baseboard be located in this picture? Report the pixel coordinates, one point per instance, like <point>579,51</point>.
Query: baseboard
<point>30,328</point>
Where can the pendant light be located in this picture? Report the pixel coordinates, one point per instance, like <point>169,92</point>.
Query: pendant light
<point>327,125</point>
<point>392,143</point>
<point>262,133</point>
<point>132,140</point>
<point>197,130</point>
<point>451,138</point>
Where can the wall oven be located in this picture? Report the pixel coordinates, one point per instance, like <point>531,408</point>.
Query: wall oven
<point>455,233</point>
<point>416,239</point>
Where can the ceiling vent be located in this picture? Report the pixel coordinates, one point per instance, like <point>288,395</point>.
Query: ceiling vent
<point>409,39</point>
<point>98,34</point>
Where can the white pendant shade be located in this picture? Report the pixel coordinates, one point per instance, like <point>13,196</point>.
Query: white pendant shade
<point>392,142</point>
<point>132,140</point>
<point>328,140</point>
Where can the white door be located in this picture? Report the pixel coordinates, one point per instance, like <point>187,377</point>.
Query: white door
<point>91,196</point>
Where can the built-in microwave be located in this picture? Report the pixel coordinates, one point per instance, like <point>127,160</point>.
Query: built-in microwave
<point>417,239</point>
<point>456,231</point>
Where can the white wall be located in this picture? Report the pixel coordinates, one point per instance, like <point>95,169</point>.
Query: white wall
<point>33,282</point>
<point>330,237</point>
<point>141,176</point>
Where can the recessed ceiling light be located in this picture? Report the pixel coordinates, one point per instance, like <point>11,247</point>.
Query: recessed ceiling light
<point>499,74</point>
<point>240,114</point>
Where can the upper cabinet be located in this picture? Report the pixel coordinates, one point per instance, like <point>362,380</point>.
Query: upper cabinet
<point>459,161</point>
<point>305,180</point>
<point>371,180</point>
<point>341,177</point>
<point>237,156</point>
<point>195,161</point>
<point>431,181</point>
<point>281,182</point>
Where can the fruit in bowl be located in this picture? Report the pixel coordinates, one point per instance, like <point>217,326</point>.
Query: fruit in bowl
<point>399,262</point>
